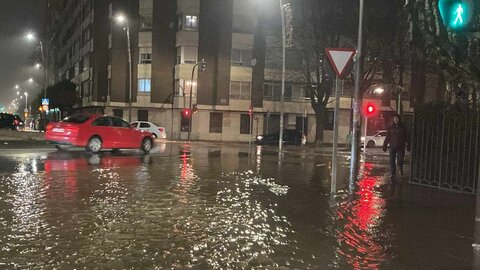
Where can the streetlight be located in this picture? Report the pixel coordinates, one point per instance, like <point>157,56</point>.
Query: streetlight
<point>282,97</point>
<point>379,91</point>
<point>38,65</point>
<point>121,19</point>
<point>16,86</point>
<point>31,37</point>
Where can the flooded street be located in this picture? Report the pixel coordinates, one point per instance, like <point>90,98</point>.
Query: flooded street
<point>217,207</point>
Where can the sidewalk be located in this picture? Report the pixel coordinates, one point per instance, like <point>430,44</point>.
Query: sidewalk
<point>13,135</point>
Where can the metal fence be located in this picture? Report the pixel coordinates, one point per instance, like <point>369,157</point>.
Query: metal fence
<point>445,147</point>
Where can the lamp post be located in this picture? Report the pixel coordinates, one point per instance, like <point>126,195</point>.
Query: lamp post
<point>123,20</point>
<point>31,37</point>
<point>282,97</point>
<point>356,103</point>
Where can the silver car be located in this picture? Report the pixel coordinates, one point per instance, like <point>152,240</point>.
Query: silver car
<point>158,132</point>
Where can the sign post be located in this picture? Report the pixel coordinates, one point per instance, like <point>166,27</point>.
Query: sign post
<point>340,59</point>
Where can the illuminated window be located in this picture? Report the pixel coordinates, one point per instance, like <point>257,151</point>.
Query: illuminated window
<point>188,23</point>
<point>144,85</point>
<point>191,22</point>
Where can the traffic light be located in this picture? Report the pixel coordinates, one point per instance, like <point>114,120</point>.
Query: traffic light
<point>457,15</point>
<point>370,109</point>
<point>186,120</point>
<point>186,113</point>
<point>203,65</point>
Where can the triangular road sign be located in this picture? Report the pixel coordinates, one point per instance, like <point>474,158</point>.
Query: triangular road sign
<point>340,59</point>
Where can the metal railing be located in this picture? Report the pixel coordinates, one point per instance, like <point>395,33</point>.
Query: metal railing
<point>446,147</point>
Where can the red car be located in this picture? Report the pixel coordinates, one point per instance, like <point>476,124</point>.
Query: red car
<point>96,133</point>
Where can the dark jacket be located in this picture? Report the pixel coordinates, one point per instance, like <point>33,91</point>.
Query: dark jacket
<point>397,137</point>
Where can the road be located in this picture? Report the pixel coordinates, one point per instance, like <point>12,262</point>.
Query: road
<point>217,206</point>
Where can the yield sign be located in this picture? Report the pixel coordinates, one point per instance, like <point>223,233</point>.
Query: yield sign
<point>341,59</point>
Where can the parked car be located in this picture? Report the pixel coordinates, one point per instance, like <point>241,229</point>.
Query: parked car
<point>290,136</point>
<point>158,132</point>
<point>375,140</point>
<point>10,121</point>
<point>96,133</point>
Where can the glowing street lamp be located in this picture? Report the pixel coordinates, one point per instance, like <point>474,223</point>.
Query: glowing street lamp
<point>379,91</point>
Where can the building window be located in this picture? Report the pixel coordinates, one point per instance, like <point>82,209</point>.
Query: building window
<point>146,21</point>
<point>142,115</point>
<point>144,85</point>
<point>273,91</point>
<point>245,125</point>
<point>216,121</point>
<point>240,90</point>
<point>187,55</point>
<point>184,88</point>
<point>191,23</point>
<point>145,58</point>
<point>118,113</point>
<point>188,23</point>
<point>241,57</point>
<point>329,117</point>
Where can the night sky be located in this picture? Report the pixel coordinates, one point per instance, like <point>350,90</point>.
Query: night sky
<point>17,17</point>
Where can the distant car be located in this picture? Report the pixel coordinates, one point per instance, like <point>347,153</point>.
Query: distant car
<point>375,140</point>
<point>158,132</point>
<point>290,136</point>
<point>18,121</point>
<point>96,133</point>
<point>10,121</point>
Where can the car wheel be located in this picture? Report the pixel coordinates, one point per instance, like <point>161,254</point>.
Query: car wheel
<point>370,144</point>
<point>62,147</point>
<point>94,145</point>
<point>146,145</point>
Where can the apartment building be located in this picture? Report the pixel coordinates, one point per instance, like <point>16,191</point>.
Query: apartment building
<point>168,38</point>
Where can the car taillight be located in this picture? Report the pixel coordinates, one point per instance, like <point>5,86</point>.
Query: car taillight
<point>16,122</point>
<point>161,129</point>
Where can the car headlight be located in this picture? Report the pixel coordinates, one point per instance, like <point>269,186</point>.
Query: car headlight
<point>259,138</point>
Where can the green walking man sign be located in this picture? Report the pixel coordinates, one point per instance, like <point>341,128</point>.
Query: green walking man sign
<point>457,15</point>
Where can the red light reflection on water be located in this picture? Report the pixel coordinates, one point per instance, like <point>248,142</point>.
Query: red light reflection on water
<point>358,239</point>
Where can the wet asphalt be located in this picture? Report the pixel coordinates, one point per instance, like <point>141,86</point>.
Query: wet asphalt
<point>221,206</point>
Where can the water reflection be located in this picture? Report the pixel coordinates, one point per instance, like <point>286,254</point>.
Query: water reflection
<point>359,234</point>
<point>198,207</point>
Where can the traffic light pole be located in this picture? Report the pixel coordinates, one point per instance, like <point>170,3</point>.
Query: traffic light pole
<point>190,101</point>
<point>356,103</point>
<point>365,142</point>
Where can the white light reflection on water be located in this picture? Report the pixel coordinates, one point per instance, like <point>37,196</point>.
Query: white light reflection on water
<point>244,231</point>
<point>22,201</point>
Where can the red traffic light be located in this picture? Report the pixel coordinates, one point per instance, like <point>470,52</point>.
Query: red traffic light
<point>370,109</point>
<point>186,113</point>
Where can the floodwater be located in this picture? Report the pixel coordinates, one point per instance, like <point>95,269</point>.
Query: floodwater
<point>219,207</point>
